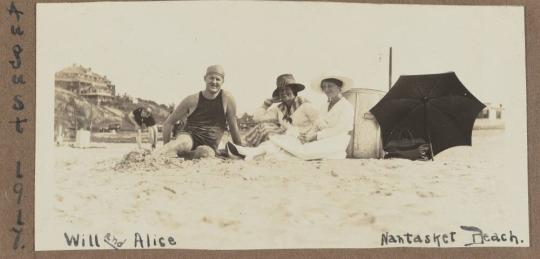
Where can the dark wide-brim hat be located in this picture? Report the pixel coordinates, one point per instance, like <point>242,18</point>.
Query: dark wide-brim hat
<point>286,80</point>
<point>296,87</point>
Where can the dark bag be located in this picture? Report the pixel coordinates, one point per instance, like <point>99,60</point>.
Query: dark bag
<point>408,147</point>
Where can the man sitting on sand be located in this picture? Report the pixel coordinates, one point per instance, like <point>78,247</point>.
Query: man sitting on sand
<point>142,118</point>
<point>208,113</point>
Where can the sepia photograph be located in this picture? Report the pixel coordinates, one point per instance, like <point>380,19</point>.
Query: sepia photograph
<point>234,125</point>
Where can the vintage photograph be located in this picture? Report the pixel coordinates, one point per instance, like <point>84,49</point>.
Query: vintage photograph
<point>279,125</point>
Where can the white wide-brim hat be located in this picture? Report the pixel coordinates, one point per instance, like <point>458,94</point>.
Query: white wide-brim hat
<point>347,82</point>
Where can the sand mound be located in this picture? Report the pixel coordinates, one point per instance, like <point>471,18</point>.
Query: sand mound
<point>136,156</point>
<point>142,160</point>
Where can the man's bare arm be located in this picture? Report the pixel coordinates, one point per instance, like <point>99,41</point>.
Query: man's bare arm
<point>138,128</point>
<point>181,111</point>
<point>132,120</point>
<point>231,119</point>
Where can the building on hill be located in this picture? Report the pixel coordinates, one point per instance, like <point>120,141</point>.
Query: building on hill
<point>491,112</point>
<point>82,81</point>
<point>491,117</point>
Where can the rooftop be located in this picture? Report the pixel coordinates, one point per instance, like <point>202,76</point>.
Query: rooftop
<point>80,70</point>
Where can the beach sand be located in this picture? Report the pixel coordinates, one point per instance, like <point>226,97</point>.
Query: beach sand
<point>232,204</point>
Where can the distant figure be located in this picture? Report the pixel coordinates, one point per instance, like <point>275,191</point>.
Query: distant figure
<point>207,114</point>
<point>142,118</point>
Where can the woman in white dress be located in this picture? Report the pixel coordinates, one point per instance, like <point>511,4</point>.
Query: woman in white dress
<point>330,136</point>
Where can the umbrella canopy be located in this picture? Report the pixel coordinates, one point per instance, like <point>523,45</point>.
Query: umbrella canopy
<point>435,107</point>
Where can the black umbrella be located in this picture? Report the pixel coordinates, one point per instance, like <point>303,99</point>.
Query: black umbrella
<point>436,107</point>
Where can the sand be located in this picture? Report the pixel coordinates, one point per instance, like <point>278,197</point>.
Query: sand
<point>232,204</point>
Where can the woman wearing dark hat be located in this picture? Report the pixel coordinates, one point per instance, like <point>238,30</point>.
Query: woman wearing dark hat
<point>291,111</point>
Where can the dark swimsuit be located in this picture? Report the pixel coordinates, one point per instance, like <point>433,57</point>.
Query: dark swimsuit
<point>207,123</point>
<point>147,122</point>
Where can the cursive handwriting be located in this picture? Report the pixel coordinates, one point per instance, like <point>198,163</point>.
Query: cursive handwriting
<point>466,236</point>
<point>409,239</point>
<point>479,237</point>
<point>18,106</point>
<point>80,240</point>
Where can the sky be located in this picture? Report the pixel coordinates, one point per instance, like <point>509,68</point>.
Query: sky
<point>160,50</point>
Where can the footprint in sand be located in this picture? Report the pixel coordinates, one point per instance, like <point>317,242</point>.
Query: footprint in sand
<point>147,191</point>
<point>128,211</point>
<point>376,192</point>
<point>207,220</point>
<point>167,220</point>
<point>227,223</point>
<point>479,190</point>
<point>429,194</point>
<point>380,191</point>
<point>281,210</point>
<point>358,218</point>
<point>315,215</point>
<point>141,182</point>
<point>392,166</point>
<point>427,212</point>
<point>90,197</point>
<point>222,223</point>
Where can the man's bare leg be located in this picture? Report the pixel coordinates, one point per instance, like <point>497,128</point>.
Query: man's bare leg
<point>201,152</point>
<point>179,146</point>
<point>152,132</point>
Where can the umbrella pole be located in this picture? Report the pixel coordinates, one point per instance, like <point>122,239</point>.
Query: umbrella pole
<point>426,129</point>
<point>430,148</point>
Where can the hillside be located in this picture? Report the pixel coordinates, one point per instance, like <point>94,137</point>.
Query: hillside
<point>74,112</point>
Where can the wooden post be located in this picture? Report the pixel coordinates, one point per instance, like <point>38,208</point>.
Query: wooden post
<point>390,70</point>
